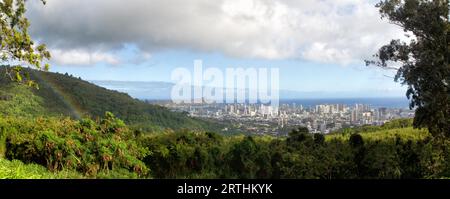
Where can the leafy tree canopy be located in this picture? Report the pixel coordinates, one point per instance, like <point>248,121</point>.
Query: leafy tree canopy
<point>424,60</point>
<point>17,47</point>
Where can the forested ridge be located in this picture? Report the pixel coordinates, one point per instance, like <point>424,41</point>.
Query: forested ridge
<point>64,95</point>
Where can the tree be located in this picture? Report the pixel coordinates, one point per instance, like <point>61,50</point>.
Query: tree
<point>319,139</point>
<point>356,141</point>
<point>424,60</point>
<point>17,47</point>
<point>242,157</point>
<point>299,135</point>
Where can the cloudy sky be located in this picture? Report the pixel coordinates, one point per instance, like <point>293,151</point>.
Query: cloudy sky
<point>318,45</point>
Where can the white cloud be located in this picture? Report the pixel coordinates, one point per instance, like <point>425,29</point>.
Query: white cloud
<point>81,57</point>
<point>331,31</point>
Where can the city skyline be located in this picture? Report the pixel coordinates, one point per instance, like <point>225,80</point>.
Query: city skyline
<point>262,119</point>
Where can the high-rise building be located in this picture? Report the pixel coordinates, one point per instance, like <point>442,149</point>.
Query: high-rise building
<point>354,116</point>
<point>323,127</point>
<point>382,112</point>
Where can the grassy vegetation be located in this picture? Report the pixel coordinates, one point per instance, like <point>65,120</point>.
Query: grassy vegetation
<point>18,170</point>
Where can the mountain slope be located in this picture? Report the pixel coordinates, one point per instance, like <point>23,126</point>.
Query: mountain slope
<point>64,95</point>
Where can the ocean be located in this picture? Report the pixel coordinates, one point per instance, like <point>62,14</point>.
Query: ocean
<point>373,102</point>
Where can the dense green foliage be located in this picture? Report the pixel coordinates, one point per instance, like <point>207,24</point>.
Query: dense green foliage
<point>63,95</point>
<point>425,61</point>
<point>302,155</point>
<point>84,146</point>
<point>108,149</point>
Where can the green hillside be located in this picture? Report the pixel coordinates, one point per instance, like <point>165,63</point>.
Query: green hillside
<point>408,133</point>
<point>399,128</point>
<point>64,95</point>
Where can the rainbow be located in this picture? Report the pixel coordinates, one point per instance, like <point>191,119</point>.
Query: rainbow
<point>75,108</point>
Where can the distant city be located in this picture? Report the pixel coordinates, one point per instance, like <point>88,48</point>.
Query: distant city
<point>262,119</point>
<point>316,110</point>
